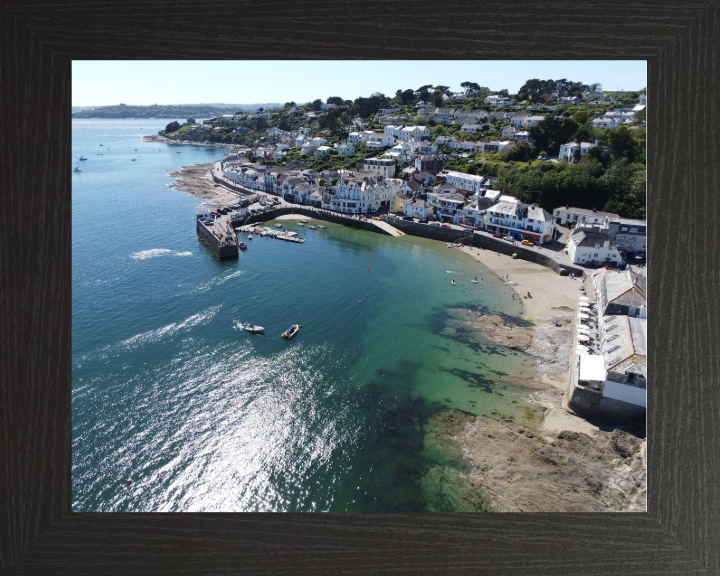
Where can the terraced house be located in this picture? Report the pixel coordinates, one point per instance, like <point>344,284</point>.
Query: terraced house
<point>521,221</point>
<point>360,193</point>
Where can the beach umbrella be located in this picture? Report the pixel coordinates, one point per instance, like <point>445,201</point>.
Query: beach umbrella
<point>583,328</point>
<point>581,349</point>
<point>583,338</point>
<point>583,316</point>
<point>584,299</point>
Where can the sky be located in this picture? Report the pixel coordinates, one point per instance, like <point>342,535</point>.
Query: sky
<point>146,82</point>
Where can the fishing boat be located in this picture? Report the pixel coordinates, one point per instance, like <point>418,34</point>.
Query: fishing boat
<point>290,332</point>
<point>303,221</point>
<point>242,246</point>
<point>257,231</point>
<point>312,227</point>
<point>251,328</point>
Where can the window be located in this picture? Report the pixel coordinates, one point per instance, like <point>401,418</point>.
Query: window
<point>633,230</point>
<point>623,229</point>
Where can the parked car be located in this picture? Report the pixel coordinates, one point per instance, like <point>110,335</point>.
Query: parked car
<point>254,211</point>
<point>446,225</point>
<point>509,238</point>
<point>434,223</point>
<point>545,158</point>
<point>423,220</point>
<point>410,218</point>
<point>497,235</point>
<point>528,243</point>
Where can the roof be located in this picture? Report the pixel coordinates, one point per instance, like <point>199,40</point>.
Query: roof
<point>628,348</point>
<point>628,221</point>
<point>589,239</point>
<point>585,212</point>
<point>625,288</point>
<point>592,368</point>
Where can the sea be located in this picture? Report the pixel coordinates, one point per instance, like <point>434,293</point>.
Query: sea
<point>169,392</point>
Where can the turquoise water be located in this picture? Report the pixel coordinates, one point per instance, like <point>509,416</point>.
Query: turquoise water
<point>204,417</point>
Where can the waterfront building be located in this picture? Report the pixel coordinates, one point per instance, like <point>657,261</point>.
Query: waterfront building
<point>581,216</point>
<point>588,248</point>
<point>522,221</point>
<point>361,193</point>
<point>417,208</point>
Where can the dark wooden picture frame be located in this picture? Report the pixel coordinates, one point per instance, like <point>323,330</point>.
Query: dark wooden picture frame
<point>681,530</point>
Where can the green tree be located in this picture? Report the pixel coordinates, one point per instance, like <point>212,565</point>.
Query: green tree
<point>470,87</point>
<point>317,105</point>
<point>172,127</point>
<point>334,100</point>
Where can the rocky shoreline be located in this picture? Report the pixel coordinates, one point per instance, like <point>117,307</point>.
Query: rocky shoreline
<point>163,140</point>
<point>568,464</point>
<point>197,181</point>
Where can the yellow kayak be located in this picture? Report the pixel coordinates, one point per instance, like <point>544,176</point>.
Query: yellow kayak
<point>290,332</point>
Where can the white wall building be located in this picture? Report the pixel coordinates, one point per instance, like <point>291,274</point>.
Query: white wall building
<point>360,194</point>
<point>521,221</point>
<point>588,248</point>
<point>469,182</point>
<point>573,150</point>
<point>417,208</point>
<point>345,149</point>
<point>383,167</point>
<point>380,140</point>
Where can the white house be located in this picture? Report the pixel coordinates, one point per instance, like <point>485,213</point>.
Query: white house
<point>417,208</point>
<point>319,141</point>
<point>531,121</point>
<point>345,149</point>
<point>643,99</point>
<point>606,122</point>
<point>593,94</point>
<point>379,140</point>
<point>359,193</point>
<point>522,221</point>
<point>392,130</point>
<point>568,100</point>
<point>444,115</point>
<point>409,132</point>
<point>497,100</point>
<point>588,248</point>
<point>383,167</point>
<point>581,216</point>
<point>358,137</point>
<point>471,128</point>
<point>573,150</point>
<point>469,182</point>
<point>321,151</point>
<point>470,215</point>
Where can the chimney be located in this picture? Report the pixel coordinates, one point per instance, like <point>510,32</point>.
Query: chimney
<point>597,142</point>
<point>606,244</point>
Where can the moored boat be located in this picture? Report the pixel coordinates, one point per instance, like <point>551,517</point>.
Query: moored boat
<point>278,225</point>
<point>77,169</point>
<point>249,236</point>
<point>242,246</point>
<point>303,221</point>
<point>290,332</point>
<point>312,227</point>
<point>83,157</point>
<point>322,227</point>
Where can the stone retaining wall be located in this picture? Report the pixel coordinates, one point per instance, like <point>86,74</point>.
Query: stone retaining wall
<point>431,232</point>
<point>591,403</point>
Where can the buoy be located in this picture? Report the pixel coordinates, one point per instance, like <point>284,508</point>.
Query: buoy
<point>129,481</point>
<point>359,301</point>
<point>368,269</point>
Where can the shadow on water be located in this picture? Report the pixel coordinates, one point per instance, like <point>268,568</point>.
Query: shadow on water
<point>394,446</point>
<point>473,379</point>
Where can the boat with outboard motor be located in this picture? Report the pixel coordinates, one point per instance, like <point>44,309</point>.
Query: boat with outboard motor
<point>253,328</point>
<point>290,332</point>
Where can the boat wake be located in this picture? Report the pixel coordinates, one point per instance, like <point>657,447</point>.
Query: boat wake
<point>169,330</point>
<point>156,252</point>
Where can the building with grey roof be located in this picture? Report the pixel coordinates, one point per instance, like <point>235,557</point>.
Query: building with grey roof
<point>522,221</point>
<point>570,215</point>
<point>588,248</point>
<point>620,293</point>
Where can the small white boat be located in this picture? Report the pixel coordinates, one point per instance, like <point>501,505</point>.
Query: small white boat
<point>303,221</point>
<point>301,224</point>
<point>251,328</point>
<point>77,169</point>
<point>322,227</point>
<point>83,157</point>
<point>475,281</point>
<point>312,227</point>
<point>278,225</point>
<point>449,245</point>
<point>249,236</point>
